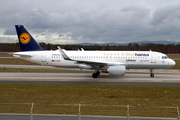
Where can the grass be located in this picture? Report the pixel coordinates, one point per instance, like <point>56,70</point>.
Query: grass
<point>5,54</point>
<point>174,56</point>
<point>45,96</point>
<point>15,61</point>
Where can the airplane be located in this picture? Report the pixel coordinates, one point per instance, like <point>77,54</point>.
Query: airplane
<point>113,62</point>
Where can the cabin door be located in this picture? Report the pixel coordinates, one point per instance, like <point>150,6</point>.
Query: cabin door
<point>153,58</point>
<point>43,57</point>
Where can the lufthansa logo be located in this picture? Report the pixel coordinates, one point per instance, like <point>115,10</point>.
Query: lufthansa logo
<point>25,38</point>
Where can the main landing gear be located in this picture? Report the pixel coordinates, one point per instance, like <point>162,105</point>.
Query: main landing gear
<point>96,74</point>
<point>151,73</point>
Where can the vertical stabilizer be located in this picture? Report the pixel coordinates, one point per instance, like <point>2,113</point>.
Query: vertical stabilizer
<point>26,41</point>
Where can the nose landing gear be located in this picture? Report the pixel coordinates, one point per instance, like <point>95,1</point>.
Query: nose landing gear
<point>151,73</point>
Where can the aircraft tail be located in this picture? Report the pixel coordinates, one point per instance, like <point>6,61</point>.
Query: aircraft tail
<point>26,41</point>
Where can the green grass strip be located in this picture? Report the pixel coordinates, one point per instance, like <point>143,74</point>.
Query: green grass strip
<point>56,99</point>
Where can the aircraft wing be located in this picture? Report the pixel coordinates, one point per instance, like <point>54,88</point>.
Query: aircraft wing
<point>92,63</point>
<point>101,63</point>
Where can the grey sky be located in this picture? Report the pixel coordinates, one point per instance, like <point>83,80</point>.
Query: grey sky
<point>76,21</point>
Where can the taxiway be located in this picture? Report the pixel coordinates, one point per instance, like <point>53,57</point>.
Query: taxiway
<point>163,77</point>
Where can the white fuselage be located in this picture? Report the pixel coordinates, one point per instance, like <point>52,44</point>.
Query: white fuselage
<point>131,59</point>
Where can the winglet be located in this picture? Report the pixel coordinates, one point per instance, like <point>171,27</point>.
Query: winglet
<point>63,53</point>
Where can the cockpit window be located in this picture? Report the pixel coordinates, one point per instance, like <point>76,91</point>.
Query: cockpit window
<point>164,57</point>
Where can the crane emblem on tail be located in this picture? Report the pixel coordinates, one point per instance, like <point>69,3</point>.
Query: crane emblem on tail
<point>24,38</point>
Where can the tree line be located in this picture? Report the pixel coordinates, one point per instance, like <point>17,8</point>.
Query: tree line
<point>167,49</point>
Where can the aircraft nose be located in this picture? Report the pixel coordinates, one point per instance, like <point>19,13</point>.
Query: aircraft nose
<point>173,63</point>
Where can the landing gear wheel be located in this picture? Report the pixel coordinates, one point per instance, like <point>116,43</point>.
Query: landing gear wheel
<point>152,75</point>
<point>95,75</point>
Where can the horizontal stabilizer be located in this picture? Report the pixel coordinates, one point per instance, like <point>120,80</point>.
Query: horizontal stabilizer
<point>21,55</point>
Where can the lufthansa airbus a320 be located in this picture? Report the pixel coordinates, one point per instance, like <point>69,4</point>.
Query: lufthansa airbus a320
<point>112,62</point>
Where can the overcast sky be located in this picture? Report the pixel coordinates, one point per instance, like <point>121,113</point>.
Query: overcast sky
<point>94,21</point>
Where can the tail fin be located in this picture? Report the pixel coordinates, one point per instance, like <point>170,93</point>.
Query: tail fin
<point>26,41</point>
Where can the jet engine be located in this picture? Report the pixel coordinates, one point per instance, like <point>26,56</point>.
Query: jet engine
<point>115,70</point>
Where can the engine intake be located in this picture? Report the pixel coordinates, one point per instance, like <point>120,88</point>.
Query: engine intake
<point>116,70</point>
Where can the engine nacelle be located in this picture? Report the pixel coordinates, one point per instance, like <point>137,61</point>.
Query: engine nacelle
<point>116,70</point>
